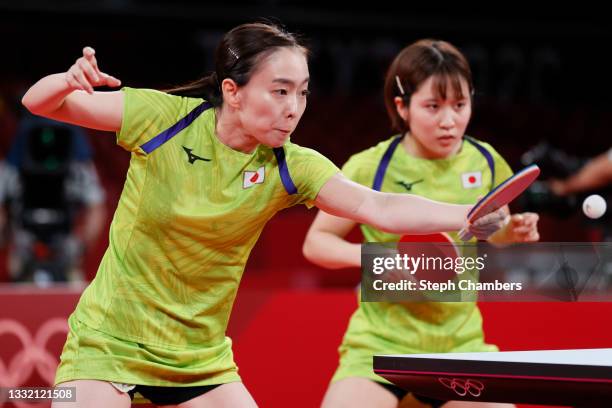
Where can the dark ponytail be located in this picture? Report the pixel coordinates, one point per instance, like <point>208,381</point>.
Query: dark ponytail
<point>207,88</point>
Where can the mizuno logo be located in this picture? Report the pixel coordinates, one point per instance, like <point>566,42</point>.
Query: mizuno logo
<point>408,186</point>
<point>192,157</point>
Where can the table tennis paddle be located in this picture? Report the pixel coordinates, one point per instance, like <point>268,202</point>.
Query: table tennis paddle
<point>501,195</point>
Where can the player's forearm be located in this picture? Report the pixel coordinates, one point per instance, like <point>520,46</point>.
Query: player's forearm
<point>47,95</point>
<point>331,251</point>
<point>406,213</point>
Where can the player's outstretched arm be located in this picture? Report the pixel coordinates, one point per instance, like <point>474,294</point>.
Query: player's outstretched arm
<point>400,213</point>
<point>70,97</point>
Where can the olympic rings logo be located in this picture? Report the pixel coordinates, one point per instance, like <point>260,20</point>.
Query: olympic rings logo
<point>34,353</point>
<point>463,387</point>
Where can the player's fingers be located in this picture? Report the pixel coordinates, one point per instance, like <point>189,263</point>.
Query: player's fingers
<point>88,70</point>
<point>491,218</point>
<point>72,81</point>
<point>89,55</point>
<point>77,73</point>
<point>465,234</point>
<point>88,52</point>
<point>531,236</point>
<point>82,80</point>
<point>517,219</point>
<point>531,218</point>
<point>523,223</point>
<point>490,221</point>
<point>523,228</point>
<point>73,74</point>
<point>110,80</point>
<point>525,234</point>
<point>94,63</point>
<point>483,231</point>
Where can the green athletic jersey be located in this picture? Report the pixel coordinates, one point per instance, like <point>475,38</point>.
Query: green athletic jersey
<point>417,327</point>
<point>190,212</point>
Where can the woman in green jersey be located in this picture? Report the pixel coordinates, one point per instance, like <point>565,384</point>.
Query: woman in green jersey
<point>211,163</point>
<point>428,95</point>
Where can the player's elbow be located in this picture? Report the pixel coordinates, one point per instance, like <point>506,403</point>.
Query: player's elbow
<point>27,102</point>
<point>309,249</point>
<point>30,103</point>
<point>314,251</point>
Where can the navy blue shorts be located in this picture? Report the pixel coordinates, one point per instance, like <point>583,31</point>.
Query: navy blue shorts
<point>171,395</point>
<point>400,393</point>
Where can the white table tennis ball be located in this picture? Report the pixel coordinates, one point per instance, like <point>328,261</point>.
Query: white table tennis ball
<point>594,206</point>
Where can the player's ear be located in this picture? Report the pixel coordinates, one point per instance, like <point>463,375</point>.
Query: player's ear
<point>402,108</point>
<point>230,88</point>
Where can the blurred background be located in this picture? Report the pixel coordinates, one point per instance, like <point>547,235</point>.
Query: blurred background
<point>543,95</point>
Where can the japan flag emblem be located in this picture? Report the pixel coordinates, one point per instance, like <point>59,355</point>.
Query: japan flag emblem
<point>253,177</point>
<point>472,179</point>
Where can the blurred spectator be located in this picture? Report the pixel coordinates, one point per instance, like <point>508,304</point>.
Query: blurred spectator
<point>566,180</point>
<point>46,240</point>
<point>595,174</point>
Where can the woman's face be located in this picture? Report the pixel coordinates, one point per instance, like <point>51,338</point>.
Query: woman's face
<point>274,99</point>
<point>438,122</point>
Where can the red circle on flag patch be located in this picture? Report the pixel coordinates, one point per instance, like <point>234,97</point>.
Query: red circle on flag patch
<point>472,179</point>
<point>254,177</point>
